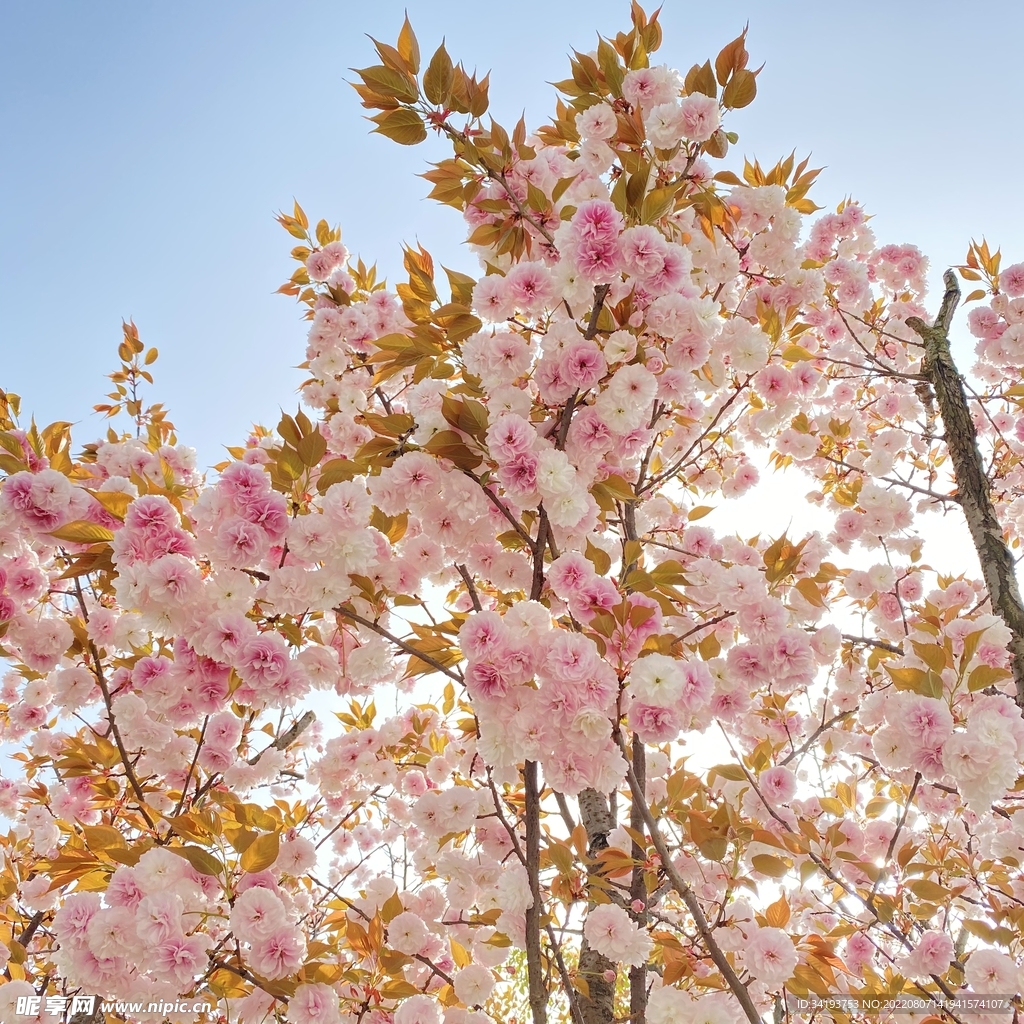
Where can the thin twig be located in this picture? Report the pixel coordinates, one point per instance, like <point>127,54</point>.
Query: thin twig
<point>408,648</point>
<point>739,990</point>
<point>470,587</point>
<point>289,736</point>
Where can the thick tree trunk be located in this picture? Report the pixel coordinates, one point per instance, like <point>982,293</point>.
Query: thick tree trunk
<point>599,1006</point>
<point>997,562</point>
<point>534,964</point>
<point>638,891</point>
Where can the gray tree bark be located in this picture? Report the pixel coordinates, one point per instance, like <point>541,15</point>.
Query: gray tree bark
<point>638,890</point>
<point>534,962</point>
<point>598,1006</point>
<point>974,494</point>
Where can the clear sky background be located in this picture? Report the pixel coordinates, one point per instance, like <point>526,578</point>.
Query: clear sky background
<point>145,147</point>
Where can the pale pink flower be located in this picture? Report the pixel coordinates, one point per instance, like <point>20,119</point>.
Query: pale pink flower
<point>777,785</point>
<point>700,117</point>
<point>492,299</point>
<point>257,914</point>
<point>159,869</point>
<point>242,481</point>
<point>279,954</point>
<point>414,783</point>
<point>652,723</point>
<point>647,87</point>
<point>596,220</point>
<point>569,573</point>
<point>482,634</point>
<point>792,655</point>
<point>597,122</point>
<point>569,657</point>
<point>407,933</point>
<point>323,262</point>
<point>510,435</point>
<point>123,890</point>
<point>583,364</point>
<point>674,273</point>
<point>612,933</point>
<point>530,287</point>
<point>314,1004</point>
<point>17,989</point>
<point>182,959</point>
<point>770,956</point>
<point>773,383</point>
<point>860,951</point>
<point>263,661</point>
<point>643,251</point>
<point>474,984</point>
<point>72,920</point>
<point>296,856</point>
<point>751,663</point>
<point>698,686</point>
<point>224,730</point>
<point>418,1010</point>
<point>552,383</point>
<point>43,500</point>
<point>483,679</point>
<point>598,260</point>
<point>151,512</point>
<point>931,955</point>
<point>1011,280</point>
<point>925,720</point>
<point>270,513</point>
<point>159,917</point>
<point>988,970</point>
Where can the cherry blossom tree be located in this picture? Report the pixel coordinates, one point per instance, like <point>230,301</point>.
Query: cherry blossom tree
<point>638,768</point>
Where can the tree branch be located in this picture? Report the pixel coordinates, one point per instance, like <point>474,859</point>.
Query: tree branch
<point>102,683</point>
<point>997,564</point>
<point>401,644</point>
<point>687,895</point>
<point>868,641</point>
<point>496,501</point>
<point>538,990</point>
<point>598,1004</point>
<point>290,735</point>
<point>809,742</point>
<point>470,587</point>
<point>600,294</point>
<point>638,888</point>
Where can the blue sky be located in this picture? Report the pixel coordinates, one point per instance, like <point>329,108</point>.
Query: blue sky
<point>146,147</point>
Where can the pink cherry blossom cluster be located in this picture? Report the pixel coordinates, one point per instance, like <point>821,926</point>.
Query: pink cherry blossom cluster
<point>513,515</point>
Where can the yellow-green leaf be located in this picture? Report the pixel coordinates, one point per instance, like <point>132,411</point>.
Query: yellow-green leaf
<point>205,863</point>
<point>928,890</point>
<point>403,126</point>
<point>437,79</point>
<point>796,354</point>
<point>599,557</point>
<point>100,838</point>
<point>741,90</point>
<point>408,47</point>
<point>986,675</point>
<point>312,448</point>
<point>115,502</point>
<point>262,852</point>
<point>766,864</point>
<point>81,531</point>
